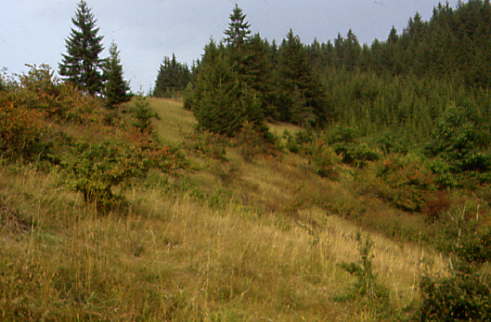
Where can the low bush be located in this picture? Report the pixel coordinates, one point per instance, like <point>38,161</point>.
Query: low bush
<point>464,296</point>
<point>22,133</point>
<point>340,134</point>
<point>62,102</point>
<point>463,237</point>
<point>96,169</point>
<point>323,160</point>
<point>356,154</point>
<point>391,143</point>
<point>436,205</point>
<point>296,143</point>
<point>208,143</point>
<point>409,185</point>
<point>461,140</point>
<point>253,140</point>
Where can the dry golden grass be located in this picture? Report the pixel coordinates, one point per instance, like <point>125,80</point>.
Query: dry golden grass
<point>176,259</point>
<point>175,122</point>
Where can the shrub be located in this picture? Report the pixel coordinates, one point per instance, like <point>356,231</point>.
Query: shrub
<point>209,144</point>
<point>463,237</point>
<point>391,143</point>
<point>40,90</point>
<point>340,134</point>
<point>323,159</point>
<point>95,169</point>
<point>253,140</point>
<point>464,296</point>
<point>409,184</point>
<point>296,143</point>
<point>444,177</point>
<point>22,135</point>
<point>459,138</point>
<point>355,154</point>
<point>436,206</point>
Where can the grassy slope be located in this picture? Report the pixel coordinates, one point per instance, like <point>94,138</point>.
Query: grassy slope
<point>255,246</point>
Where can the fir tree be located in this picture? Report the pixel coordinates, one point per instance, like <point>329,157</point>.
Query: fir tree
<point>81,64</point>
<point>300,94</point>
<point>229,88</point>
<point>352,51</point>
<point>248,60</point>
<point>218,100</point>
<point>238,29</point>
<point>115,87</point>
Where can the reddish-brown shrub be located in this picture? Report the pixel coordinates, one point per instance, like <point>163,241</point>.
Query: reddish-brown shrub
<point>21,132</point>
<point>436,205</point>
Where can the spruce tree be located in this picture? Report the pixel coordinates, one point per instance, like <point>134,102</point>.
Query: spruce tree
<point>247,57</point>
<point>81,64</point>
<point>301,97</point>
<point>115,87</point>
<point>238,29</point>
<point>218,100</point>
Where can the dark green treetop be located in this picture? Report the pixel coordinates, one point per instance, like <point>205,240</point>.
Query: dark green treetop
<point>81,64</point>
<point>238,29</point>
<point>173,77</point>
<point>115,87</point>
<point>301,96</point>
<point>216,97</point>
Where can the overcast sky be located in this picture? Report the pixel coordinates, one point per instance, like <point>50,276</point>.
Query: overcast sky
<point>34,31</point>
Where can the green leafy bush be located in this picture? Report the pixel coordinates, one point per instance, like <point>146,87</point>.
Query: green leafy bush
<point>356,154</point>
<point>344,142</point>
<point>391,143</point>
<point>340,134</point>
<point>444,177</point>
<point>461,138</point>
<point>464,296</point>
<point>463,236</point>
<point>96,169</point>
<point>323,160</point>
<point>296,143</point>
<point>407,183</point>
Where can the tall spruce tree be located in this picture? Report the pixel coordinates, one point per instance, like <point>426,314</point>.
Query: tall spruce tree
<point>238,30</point>
<point>246,56</point>
<point>226,91</point>
<point>81,64</point>
<point>115,87</point>
<point>218,99</point>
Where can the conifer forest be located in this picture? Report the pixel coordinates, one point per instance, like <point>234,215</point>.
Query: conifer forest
<point>266,181</point>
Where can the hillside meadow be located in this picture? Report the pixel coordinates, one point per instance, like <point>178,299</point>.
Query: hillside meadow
<point>222,238</point>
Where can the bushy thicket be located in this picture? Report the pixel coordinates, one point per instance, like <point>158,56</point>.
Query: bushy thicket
<point>465,295</point>
<point>36,109</point>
